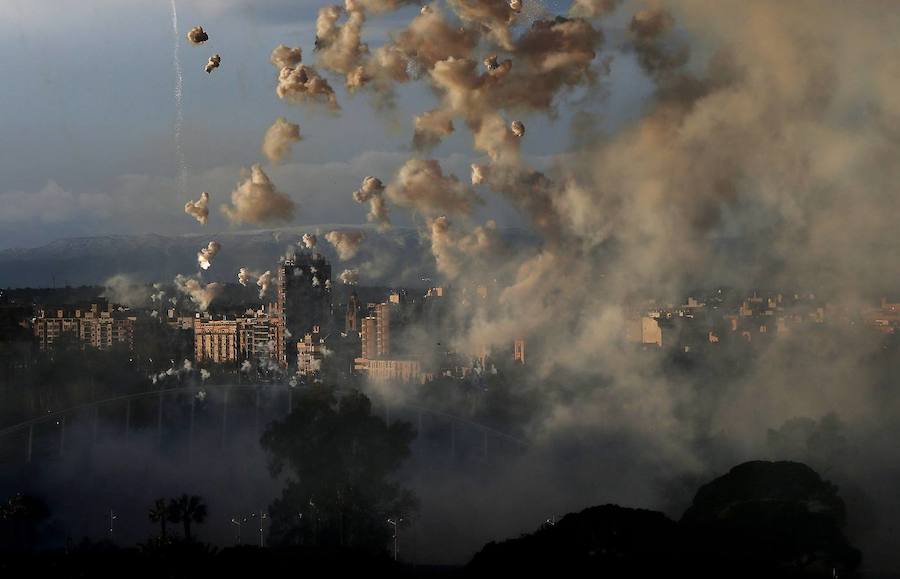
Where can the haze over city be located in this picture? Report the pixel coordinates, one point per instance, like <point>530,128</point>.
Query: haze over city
<point>454,288</point>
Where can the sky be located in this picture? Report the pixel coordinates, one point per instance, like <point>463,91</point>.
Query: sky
<point>87,142</point>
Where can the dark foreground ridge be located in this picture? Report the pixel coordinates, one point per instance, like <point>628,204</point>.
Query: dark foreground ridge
<point>761,519</point>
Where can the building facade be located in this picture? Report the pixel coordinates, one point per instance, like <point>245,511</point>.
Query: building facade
<point>257,337</point>
<point>101,326</point>
<point>304,294</point>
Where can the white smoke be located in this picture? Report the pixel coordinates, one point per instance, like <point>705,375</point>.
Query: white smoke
<point>264,281</point>
<point>244,276</point>
<point>309,240</point>
<point>350,276</point>
<point>206,254</point>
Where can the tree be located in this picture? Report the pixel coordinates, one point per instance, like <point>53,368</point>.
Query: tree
<point>187,509</point>
<point>781,517</point>
<point>603,541</point>
<point>20,517</point>
<point>341,462</point>
<point>159,513</point>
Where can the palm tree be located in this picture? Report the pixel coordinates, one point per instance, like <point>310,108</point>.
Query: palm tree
<point>187,509</point>
<point>159,513</point>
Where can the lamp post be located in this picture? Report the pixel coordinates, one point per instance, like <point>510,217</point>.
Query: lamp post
<point>112,517</point>
<point>396,525</point>
<point>238,521</point>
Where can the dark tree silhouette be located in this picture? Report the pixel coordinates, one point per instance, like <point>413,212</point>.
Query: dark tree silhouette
<point>20,517</point>
<point>159,513</point>
<point>341,461</point>
<point>187,509</point>
<point>603,541</point>
<point>778,516</point>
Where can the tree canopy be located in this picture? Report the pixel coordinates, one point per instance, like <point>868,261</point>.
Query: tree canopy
<point>341,463</point>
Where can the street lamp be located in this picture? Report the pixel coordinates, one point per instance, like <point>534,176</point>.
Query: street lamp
<point>260,517</point>
<point>112,517</point>
<point>238,522</point>
<point>395,524</point>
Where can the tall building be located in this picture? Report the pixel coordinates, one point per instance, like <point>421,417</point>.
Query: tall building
<point>375,331</point>
<point>304,294</point>
<point>368,337</point>
<point>351,321</point>
<point>100,326</point>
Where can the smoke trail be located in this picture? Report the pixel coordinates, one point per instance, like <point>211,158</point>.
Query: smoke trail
<point>179,109</point>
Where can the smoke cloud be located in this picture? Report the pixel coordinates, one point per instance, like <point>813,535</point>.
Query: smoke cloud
<point>350,276</point>
<point>199,209</point>
<point>197,35</point>
<point>286,57</point>
<point>244,276</point>
<point>201,295</point>
<point>213,63</point>
<point>309,241</point>
<point>257,201</point>
<point>346,243</point>
<point>206,254</point>
<point>372,192</point>
<point>279,138</point>
<point>264,281</point>
<point>422,185</point>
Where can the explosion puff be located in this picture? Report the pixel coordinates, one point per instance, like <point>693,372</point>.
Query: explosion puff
<point>346,243</point>
<point>371,192</point>
<point>206,254</point>
<point>199,210</point>
<point>201,295</point>
<point>257,201</point>
<point>350,276</point>
<point>244,276</point>
<point>279,138</point>
<point>309,241</point>
<point>212,63</point>
<point>197,35</point>
<point>264,281</point>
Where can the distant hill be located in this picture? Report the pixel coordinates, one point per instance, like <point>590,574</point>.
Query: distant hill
<point>395,257</point>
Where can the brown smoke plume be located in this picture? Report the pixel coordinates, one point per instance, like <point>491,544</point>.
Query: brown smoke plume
<point>197,35</point>
<point>213,63</point>
<point>372,192</point>
<point>345,242</point>
<point>206,254</point>
<point>279,138</point>
<point>455,253</point>
<point>257,201</point>
<point>201,295</point>
<point>421,185</point>
<point>431,127</point>
<point>199,209</point>
<point>244,276</point>
<point>303,84</point>
<point>286,57</point>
